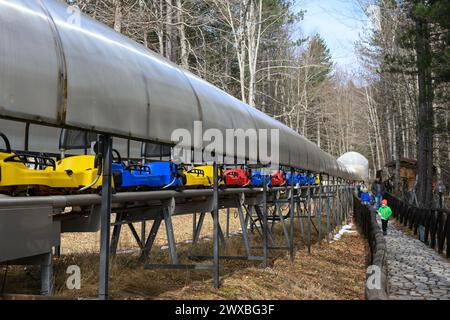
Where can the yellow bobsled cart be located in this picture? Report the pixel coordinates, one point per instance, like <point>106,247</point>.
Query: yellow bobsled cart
<point>72,173</point>
<point>35,174</point>
<point>22,172</point>
<point>76,172</point>
<point>317,179</point>
<point>201,176</point>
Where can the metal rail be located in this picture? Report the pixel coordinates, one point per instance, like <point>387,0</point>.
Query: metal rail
<point>161,205</point>
<point>59,202</point>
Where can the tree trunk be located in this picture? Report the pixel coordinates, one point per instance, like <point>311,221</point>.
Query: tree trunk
<point>253,22</point>
<point>171,43</point>
<point>183,42</point>
<point>118,16</point>
<point>160,31</point>
<point>398,152</point>
<point>425,116</point>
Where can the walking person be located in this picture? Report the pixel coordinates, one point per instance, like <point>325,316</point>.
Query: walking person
<point>385,213</point>
<point>365,196</point>
<point>377,191</point>
<point>359,187</point>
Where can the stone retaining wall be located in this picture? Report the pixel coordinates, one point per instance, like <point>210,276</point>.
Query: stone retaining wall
<point>365,218</point>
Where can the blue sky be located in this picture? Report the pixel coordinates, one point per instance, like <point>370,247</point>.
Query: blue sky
<point>339,23</point>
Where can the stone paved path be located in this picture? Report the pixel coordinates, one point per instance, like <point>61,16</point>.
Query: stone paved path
<point>415,271</point>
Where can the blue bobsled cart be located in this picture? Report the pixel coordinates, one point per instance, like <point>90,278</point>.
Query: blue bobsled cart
<point>296,178</point>
<point>305,178</point>
<point>166,174</point>
<point>300,179</point>
<point>257,179</point>
<point>156,175</point>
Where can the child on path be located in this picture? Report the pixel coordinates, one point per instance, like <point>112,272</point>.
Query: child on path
<point>385,213</point>
<point>377,191</point>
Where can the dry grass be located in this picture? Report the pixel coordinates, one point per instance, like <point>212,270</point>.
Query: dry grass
<point>331,271</point>
<point>321,275</point>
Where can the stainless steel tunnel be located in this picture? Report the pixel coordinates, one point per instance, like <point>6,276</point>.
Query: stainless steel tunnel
<point>87,76</point>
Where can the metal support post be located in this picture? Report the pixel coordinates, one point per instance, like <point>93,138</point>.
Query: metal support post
<point>194,225</point>
<point>334,202</point>
<point>228,223</point>
<point>170,236</point>
<point>279,213</point>
<point>47,275</point>
<point>300,218</point>
<point>319,216</point>
<point>264,222</point>
<point>216,227</point>
<point>105,214</point>
<point>143,231</point>
<point>291,217</point>
<point>221,235</point>
<point>340,203</point>
<point>309,212</point>
<point>139,241</point>
<point>198,228</point>
<point>116,235</point>
<point>151,238</point>
<point>328,207</point>
<point>244,230</point>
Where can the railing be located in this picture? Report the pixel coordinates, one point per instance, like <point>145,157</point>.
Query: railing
<point>365,217</point>
<point>432,226</point>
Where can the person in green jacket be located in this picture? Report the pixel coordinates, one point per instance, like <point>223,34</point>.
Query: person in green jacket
<point>385,213</point>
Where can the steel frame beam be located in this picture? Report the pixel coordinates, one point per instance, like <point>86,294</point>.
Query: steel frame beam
<point>266,201</point>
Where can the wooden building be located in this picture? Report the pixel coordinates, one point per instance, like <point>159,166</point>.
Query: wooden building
<point>408,172</point>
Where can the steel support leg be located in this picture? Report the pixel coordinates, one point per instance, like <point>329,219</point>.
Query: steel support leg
<point>319,216</point>
<point>143,231</point>
<point>344,195</point>
<point>216,249</point>
<point>300,219</point>
<point>292,217</point>
<point>47,275</point>
<point>334,203</point>
<point>274,214</point>
<point>309,213</point>
<point>264,222</point>
<point>105,214</point>
<point>283,225</point>
<point>116,235</point>
<point>198,229</point>
<point>58,251</point>
<point>339,204</point>
<point>194,225</point>
<point>170,236</point>
<point>328,208</point>
<point>249,218</point>
<point>260,215</point>
<point>221,235</point>
<point>228,223</point>
<point>151,238</point>
<point>244,231</point>
<point>139,241</point>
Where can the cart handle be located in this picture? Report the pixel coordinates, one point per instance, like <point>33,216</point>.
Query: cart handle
<point>38,160</point>
<point>6,140</point>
